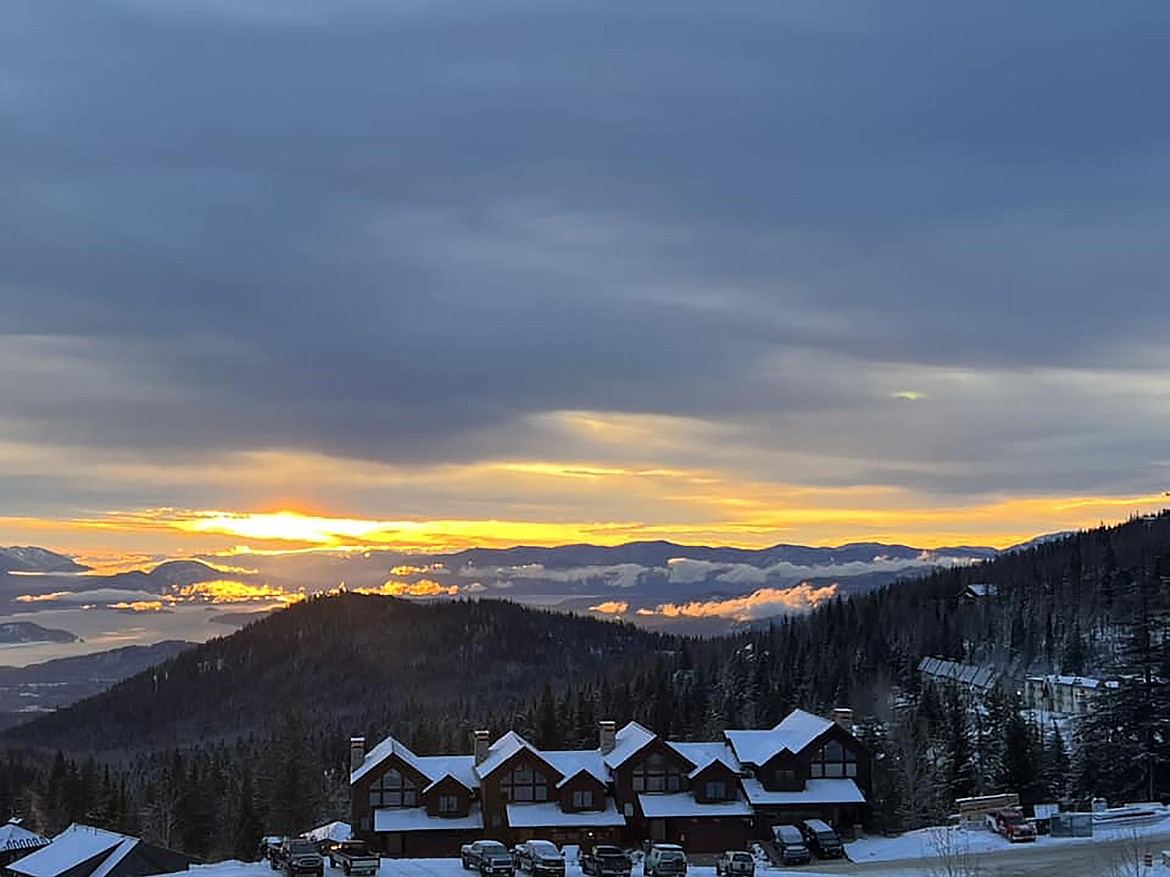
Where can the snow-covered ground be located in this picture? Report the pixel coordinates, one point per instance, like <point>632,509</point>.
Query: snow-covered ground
<point>928,842</point>
<point>923,844</point>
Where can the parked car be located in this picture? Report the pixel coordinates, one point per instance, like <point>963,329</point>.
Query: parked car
<point>664,859</point>
<point>605,860</point>
<point>540,857</point>
<point>1011,823</point>
<point>821,839</point>
<point>735,863</point>
<point>790,845</point>
<point>488,857</point>
<point>298,855</point>
<point>353,857</point>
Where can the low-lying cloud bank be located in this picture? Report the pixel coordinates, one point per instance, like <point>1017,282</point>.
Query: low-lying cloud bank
<point>764,603</point>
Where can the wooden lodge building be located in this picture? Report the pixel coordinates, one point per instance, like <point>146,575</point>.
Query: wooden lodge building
<point>635,786</point>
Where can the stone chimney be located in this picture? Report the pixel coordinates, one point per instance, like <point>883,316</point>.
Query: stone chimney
<point>357,752</point>
<point>482,744</point>
<point>843,716</point>
<point>607,736</point>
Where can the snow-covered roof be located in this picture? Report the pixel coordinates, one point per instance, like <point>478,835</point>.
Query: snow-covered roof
<point>981,589</point>
<point>15,837</point>
<point>330,831</point>
<point>72,847</point>
<point>417,819</point>
<point>752,747</point>
<point>815,792</point>
<point>436,767</point>
<point>571,762</point>
<point>502,750</point>
<point>628,741</point>
<point>965,674</point>
<point>703,755</point>
<point>684,804</point>
<point>549,814</point>
<point>798,729</point>
<point>380,753</point>
<point>1070,681</point>
<point>111,861</point>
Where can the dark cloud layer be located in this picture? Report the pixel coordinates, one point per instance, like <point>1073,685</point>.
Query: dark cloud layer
<point>395,230</point>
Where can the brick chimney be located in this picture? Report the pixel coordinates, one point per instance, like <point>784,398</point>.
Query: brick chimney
<point>843,716</point>
<point>357,752</point>
<point>607,736</point>
<point>482,744</point>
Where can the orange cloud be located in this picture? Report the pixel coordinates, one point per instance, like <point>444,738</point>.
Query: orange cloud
<point>421,588</point>
<point>230,591</point>
<point>759,604</point>
<point>611,607</point>
<point>140,606</point>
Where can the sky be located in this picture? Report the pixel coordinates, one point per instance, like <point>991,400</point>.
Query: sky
<point>291,274</point>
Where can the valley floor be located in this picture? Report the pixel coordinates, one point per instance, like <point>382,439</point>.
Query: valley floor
<point>1114,853</point>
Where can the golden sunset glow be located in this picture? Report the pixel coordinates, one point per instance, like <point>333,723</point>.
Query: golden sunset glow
<point>726,512</point>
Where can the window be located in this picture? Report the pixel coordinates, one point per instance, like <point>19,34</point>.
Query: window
<point>833,761</point>
<point>392,789</point>
<point>524,784</point>
<point>716,791</point>
<point>656,774</point>
<point>583,799</point>
<point>449,804</point>
<point>785,779</point>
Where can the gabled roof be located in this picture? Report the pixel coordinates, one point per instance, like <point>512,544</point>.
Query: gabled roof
<point>460,768</point>
<point>797,731</point>
<point>703,755</point>
<point>380,753</point>
<point>571,762</point>
<point>75,845</point>
<point>15,837</point>
<point>628,742</point>
<point>800,728</point>
<point>503,749</point>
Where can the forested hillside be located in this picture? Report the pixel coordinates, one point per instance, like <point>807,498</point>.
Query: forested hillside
<point>257,719</point>
<point>348,661</point>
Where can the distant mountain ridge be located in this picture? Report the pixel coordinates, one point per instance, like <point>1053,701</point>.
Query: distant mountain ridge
<point>29,558</point>
<point>658,553</point>
<point>663,585</point>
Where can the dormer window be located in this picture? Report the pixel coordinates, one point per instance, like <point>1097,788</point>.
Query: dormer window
<point>524,784</point>
<point>657,774</point>
<point>833,761</point>
<point>583,799</point>
<point>716,790</point>
<point>392,789</point>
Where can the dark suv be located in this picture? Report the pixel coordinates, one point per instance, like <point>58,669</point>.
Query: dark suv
<point>821,839</point>
<point>540,857</point>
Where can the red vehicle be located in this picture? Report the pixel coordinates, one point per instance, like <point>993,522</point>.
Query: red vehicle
<point>1011,824</point>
